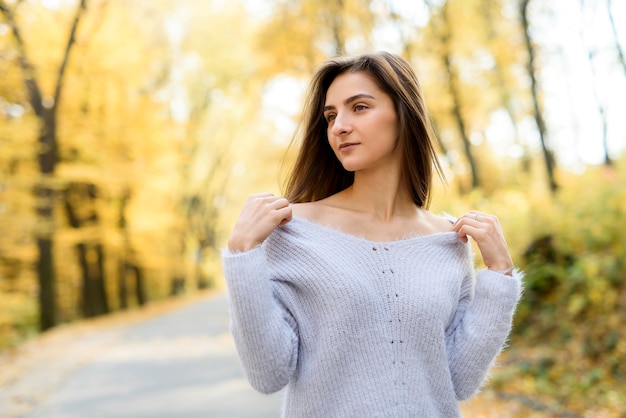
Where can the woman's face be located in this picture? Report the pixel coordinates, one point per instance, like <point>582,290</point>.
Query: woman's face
<point>362,123</point>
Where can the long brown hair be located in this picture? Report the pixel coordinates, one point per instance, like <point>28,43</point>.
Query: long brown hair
<point>318,173</point>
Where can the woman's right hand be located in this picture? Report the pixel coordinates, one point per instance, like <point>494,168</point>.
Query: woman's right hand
<point>260,215</point>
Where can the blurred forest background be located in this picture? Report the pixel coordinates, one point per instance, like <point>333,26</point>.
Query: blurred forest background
<point>132,131</point>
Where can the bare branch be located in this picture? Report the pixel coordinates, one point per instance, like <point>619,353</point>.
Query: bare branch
<point>30,78</point>
<point>66,55</point>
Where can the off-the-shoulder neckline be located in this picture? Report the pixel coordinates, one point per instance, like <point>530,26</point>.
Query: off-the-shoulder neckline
<point>444,237</point>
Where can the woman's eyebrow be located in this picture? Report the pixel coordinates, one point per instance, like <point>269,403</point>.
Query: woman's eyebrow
<point>350,100</point>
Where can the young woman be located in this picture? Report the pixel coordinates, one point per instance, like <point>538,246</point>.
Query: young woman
<point>348,291</point>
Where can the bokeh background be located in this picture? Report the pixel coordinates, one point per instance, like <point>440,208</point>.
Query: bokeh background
<point>131,132</point>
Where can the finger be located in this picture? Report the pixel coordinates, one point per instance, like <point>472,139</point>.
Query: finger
<point>461,231</point>
<point>478,233</point>
<point>483,217</point>
<point>268,198</point>
<point>465,220</point>
<point>466,216</point>
<point>477,220</point>
<point>478,216</point>
<point>279,203</point>
<point>285,214</point>
<point>262,202</point>
<point>471,230</point>
<point>463,238</point>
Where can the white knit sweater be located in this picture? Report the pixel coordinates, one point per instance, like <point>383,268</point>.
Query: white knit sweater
<point>357,328</point>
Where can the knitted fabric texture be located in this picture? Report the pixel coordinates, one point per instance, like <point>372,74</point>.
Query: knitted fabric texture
<point>356,328</point>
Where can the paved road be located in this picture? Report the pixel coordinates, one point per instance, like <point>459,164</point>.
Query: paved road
<point>180,364</point>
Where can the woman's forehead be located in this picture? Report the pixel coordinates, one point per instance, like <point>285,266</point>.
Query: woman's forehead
<point>348,84</point>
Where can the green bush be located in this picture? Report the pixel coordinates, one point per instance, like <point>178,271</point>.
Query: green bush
<point>18,318</point>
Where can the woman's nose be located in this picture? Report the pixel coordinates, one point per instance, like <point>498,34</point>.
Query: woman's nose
<point>341,125</point>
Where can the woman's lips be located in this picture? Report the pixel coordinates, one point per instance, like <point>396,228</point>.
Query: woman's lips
<point>347,146</point>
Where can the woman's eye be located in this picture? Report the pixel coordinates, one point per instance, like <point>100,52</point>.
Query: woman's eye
<point>360,107</point>
<point>330,117</point>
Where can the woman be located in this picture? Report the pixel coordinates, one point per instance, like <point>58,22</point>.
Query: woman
<point>348,291</point>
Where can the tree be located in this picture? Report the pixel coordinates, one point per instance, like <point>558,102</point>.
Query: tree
<point>591,54</point>
<point>46,112</point>
<point>618,46</point>
<point>80,201</point>
<point>499,46</point>
<point>442,29</point>
<point>531,69</point>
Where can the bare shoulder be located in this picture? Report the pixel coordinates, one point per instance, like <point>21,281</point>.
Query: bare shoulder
<point>323,210</point>
<point>306,210</point>
<point>437,223</point>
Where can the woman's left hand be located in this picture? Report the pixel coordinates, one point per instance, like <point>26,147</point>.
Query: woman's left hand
<point>485,230</point>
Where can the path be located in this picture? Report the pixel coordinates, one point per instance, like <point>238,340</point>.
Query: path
<point>181,363</point>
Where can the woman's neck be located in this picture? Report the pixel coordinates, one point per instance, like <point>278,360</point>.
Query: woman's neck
<point>384,196</point>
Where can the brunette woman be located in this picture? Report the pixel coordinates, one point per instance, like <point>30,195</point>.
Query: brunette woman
<point>348,290</point>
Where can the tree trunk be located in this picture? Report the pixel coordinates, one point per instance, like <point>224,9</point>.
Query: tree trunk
<point>123,268</point>
<point>122,284</point>
<point>504,92</point>
<point>94,297</point>
<point>101,297</point>
<point>88,294</point>
<point>81,209</point>
<point>406,43</point>
<point>453,86</point>
<point>140,289</point>
<point>599,104</point>
<point>177,286</point>
<point>601,111</point>
<point>337,26</point>
<point>127,262</point>
<point>45,269</point>
<point>202,281</point>
<point>618,46</point>
<point>531,69</point>
<point>45,194</point>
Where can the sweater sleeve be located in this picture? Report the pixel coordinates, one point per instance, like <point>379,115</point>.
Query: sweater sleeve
<point>265,333</point>
<point>480,328</point>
